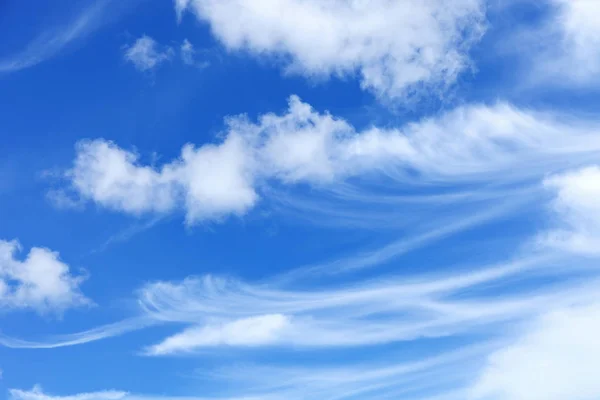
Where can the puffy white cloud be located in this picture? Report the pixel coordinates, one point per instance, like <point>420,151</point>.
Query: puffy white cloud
<point>300,145</point>
<point>210,181</point>
<point>564,50</point>
<point>217,179</point>
<point>472,143</point>
<point>556,359</point>
<point>41,282</point>
<point>577,205</point>
<point>146,54</point>
<point>111,177</point>
<point>397,48</point>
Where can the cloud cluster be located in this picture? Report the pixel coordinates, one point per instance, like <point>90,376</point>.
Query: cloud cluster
<point>520,329</point>
<point>210,181</point>
<point>468,144</point>
<point>41,281</point>
<point>399,49</point>
<point>549,360</point>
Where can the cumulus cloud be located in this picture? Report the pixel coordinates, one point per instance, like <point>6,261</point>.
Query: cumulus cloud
<point>41,281</point>
<point>111,177</point>
<point>555,359</point>
<point>471,143</point>
<point>578,210</point>
<point>565,49</point>
<point>210,181</point>
<point>217,179</point>
<point>146,54</point>
<point>397,48</point>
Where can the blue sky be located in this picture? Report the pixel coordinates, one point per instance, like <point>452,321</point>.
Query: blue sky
<point>299,199</point>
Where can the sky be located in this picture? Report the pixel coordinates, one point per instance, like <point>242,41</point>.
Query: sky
<point>299,199</point>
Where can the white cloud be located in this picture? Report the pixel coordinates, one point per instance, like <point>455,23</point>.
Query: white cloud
<point>187,52</point>
<point>41,282</point>
<point>61,200</point>
<point>189,55</point>
<point>580,31</point>
<point>111,177</point>
<point>98,333</point>
<point>210,181</point>
<point>578,207</point>
<point>564,50</point>
<point>146,54</point>
<point>556,359</point>
<point>252,331</point>
<point>229,313</point>
<point>397,48</point>
<point>37,394</point>
<point>469,144</point>
<point>217,179</point>
<point>224,312</point>
<point>53,41</point>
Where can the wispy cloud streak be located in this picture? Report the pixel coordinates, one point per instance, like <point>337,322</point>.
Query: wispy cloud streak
<point>52,41</point>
